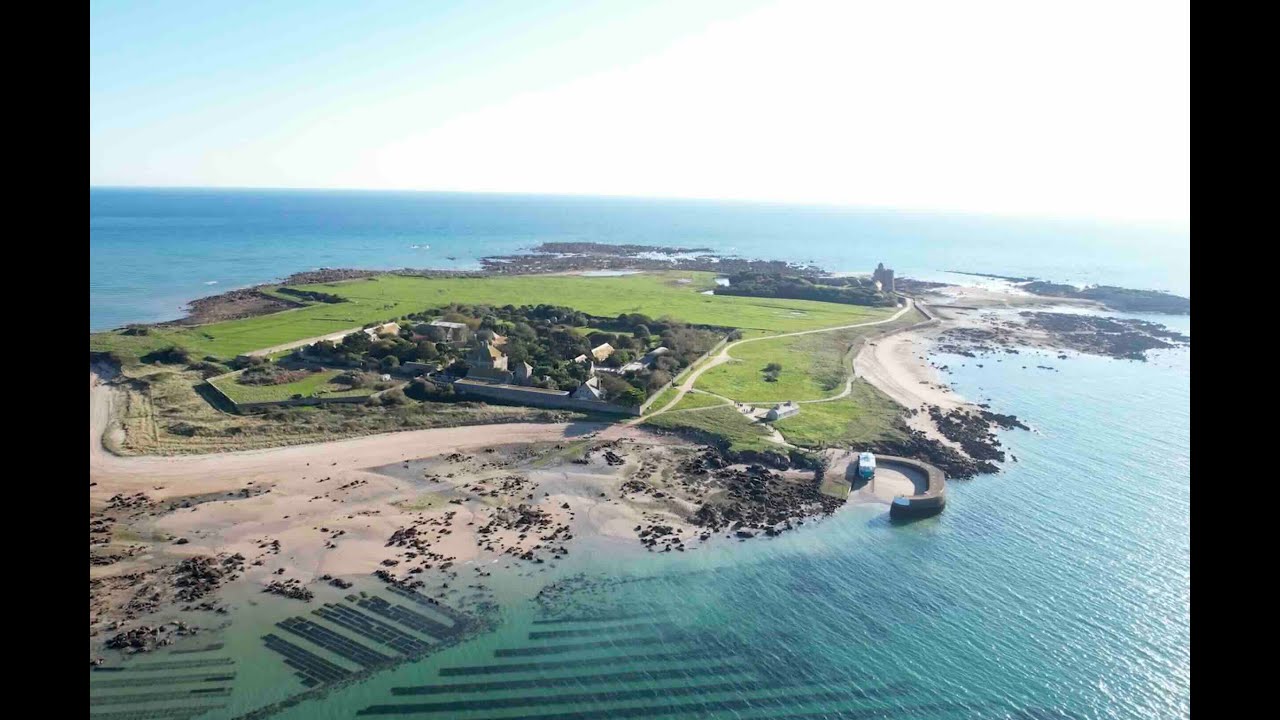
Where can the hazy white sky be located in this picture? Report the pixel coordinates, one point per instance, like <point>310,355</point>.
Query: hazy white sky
<point>1077,108</point>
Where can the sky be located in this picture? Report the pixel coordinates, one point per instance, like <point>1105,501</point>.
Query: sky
<point>1068,109</point>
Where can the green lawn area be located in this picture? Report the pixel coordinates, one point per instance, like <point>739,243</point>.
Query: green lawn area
<point>314,385</point>
<point>864,416</point>
<point>391,296</point>
<point>813,366</point>
<point>693,400</point>
<point>726,425</point>
<point>662,399</point>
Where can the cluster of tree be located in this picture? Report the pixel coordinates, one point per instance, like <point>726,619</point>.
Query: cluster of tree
<point>313,295</point>
<point>270,374</point>
<point>424,390</point>
<point>771,372</point>
<point>642,327</point>
<point>384,353</point>
<point>172,355</point>
<point>844,290</point>
<point>548,337</point>
<point>685,344</point>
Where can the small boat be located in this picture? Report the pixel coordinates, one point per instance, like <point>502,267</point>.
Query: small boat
<point>866,465</point>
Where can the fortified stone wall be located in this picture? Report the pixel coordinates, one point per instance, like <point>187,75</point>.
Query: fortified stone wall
<point>538,398</point>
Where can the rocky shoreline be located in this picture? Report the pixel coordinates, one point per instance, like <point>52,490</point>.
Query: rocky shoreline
<point>580,257</point>
<point>1108,296</point>
<point>1119,338</point>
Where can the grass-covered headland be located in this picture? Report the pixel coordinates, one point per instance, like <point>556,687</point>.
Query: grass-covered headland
<point>177,379</point>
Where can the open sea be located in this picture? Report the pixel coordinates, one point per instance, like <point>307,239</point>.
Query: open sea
<point>152,251</point>
<point>1058,588</point>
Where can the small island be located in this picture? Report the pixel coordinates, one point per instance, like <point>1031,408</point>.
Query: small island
<point>403,423</point>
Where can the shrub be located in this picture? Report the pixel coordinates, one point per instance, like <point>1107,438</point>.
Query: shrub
<point>629,397</point>
<point>172,355</point>
<point>394,397</point>
<point>351,379</point>
<point>210,369</point>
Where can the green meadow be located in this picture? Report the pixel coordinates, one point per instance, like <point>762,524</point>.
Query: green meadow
<point>813,366</point>
<point>316,384</point>
<point>863,417</point>
<point>725,426</point>
<point>694,400</point>
<point>675,294</point>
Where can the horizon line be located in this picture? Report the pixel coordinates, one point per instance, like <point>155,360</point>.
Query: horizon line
<point>1169,223</point>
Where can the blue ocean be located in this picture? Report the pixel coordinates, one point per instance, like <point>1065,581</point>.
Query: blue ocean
<point>152,251</point>
<point>1057,588</point>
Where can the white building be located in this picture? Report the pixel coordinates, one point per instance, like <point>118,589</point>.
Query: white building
<point>445,331</point>
<point>390,328</point>
<point>782,410</point>
<point>589,390</point>
<point>647,361</point>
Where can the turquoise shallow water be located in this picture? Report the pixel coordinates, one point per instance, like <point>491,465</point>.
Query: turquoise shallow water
<point>151,251</point>
<point>1059,587</point>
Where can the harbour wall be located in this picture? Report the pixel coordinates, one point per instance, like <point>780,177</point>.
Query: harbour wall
<point>922,504</point>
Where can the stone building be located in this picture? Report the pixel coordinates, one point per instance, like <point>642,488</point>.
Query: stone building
<point>589,390</point>
<point>524,374</point>
<point>884,277</point>
<point>488,363</point>
<point>444,331</point>
<point>782,410</point>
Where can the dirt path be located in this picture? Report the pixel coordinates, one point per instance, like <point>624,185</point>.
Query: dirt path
<point>334,336</point>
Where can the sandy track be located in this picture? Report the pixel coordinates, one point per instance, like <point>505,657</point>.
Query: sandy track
<point>333,336</point>
<point>895,364</point>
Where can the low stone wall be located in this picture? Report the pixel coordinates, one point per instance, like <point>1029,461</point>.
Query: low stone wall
<point>538,397</point>
<point>291,402</point>
<point>321,400</point>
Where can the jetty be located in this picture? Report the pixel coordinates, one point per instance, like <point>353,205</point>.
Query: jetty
<point>928,502</point>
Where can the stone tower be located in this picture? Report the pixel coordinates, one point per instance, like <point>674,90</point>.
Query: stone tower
<point>884,276</point>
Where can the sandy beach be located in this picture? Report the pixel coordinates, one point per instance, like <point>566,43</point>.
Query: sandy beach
<point>424,506</point>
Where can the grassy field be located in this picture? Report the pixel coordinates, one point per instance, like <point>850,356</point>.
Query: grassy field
<point>864,416</point>
<point>694,400</point>
<point>677,294</point>
<point>661,400</point>
<point>813,366</point>
<point>736,432</point>
<point>316,384</point>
